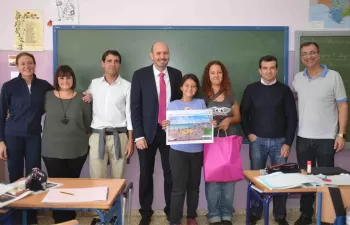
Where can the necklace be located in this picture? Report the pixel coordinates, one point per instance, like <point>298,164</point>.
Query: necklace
<point>65,120</point>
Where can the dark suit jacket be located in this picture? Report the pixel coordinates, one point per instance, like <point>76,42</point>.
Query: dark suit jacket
<point>144,100</point>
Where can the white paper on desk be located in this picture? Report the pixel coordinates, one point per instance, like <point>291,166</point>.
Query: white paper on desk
<point>281,180</point>
<point>79,195</point>
<point>339,180</point>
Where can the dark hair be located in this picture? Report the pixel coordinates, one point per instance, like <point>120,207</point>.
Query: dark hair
<point>25,54</point>
<point>111,52</point>
<point>225,83</point>
<point>64,71</point>
<point>310,43</point>
<point>193,77</point>
<point>268,58</point>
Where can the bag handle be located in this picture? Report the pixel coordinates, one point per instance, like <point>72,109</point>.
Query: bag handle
<point>216,95</point>
<point>219,132</point>
<point>337,201</point>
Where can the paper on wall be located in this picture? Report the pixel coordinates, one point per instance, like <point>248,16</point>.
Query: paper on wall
<point>28,30</point>
<point>14,74</point>
<point>12,60</point>
<point>65,12</point>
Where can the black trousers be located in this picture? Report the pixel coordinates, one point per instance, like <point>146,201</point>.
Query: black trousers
<point>23,152</point>
<point>321,153</point>
<point>64,168</point>
<point>147,158</point>
<point>186,171</point>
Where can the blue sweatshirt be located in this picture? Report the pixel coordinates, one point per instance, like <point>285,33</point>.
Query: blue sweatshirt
<point>25,107</point>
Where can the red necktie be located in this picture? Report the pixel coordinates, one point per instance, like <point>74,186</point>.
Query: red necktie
<point>162,98</point>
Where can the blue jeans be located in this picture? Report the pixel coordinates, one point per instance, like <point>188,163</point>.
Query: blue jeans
<point>259,151</point>
<point>220,200</point>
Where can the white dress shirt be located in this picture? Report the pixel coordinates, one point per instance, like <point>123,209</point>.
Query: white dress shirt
<point>263,82</point>
<point>167,83</point>
<point>111,103</point>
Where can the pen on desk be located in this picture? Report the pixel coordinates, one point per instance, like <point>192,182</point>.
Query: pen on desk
<point>67,193</point>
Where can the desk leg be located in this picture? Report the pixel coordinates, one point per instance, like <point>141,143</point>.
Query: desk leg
<point>249,189</point>
<point>266,203</point>
<point>319,208</point>
<point>120,216</point>
<point>24,217</point>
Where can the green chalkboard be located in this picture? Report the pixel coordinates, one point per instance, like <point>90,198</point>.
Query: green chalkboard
<point>335,53</point>
<point>191,48</point>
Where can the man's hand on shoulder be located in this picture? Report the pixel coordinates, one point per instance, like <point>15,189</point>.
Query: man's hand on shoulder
<point>87,97</point>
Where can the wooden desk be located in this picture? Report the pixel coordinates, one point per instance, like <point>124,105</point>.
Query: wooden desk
<point>115,188</point>
<point>324,204</point>
<point>251,174</point>
<point>266,194</point>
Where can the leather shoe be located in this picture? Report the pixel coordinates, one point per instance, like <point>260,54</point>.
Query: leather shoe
<point>145,221</point>
<point>303,221</point>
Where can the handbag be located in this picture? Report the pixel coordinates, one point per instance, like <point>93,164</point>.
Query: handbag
<point>222,159</point>
<point>284,168</point>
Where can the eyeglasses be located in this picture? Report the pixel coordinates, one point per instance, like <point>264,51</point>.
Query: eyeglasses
<point>305,54</point>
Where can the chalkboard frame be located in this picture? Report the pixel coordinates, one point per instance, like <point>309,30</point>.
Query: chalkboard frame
<point>321,33</point>
<point>285,29</point>
<point>57,28</point>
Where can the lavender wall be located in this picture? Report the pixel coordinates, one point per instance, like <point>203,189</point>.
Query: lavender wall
<point>44,70</point>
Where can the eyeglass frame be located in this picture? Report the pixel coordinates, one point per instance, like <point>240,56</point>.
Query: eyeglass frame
<point>305,54</point>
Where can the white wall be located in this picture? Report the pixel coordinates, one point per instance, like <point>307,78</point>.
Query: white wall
<point>292,13</point>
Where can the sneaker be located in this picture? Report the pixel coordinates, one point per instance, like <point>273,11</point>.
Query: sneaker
<point>191,222</point>
<point>226,222</point>
<point>303,221</point>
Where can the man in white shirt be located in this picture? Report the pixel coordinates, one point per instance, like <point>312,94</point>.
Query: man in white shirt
<point>112,136</point>
<point>323,117</point>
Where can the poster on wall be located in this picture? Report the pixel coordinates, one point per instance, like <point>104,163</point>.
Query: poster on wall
<point>65,12</point>
<point>329,14</point>
<point>12,60</point>
<point>28,30</point>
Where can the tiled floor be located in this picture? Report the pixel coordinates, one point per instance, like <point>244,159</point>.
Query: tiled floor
<point>239,219</point>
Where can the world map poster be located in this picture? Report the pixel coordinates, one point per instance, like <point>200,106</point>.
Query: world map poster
<point>331,13</point>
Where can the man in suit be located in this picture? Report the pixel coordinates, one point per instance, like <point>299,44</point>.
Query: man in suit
<point>152,88</point>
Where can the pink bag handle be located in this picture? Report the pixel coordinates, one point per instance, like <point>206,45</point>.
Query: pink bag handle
<point>219,132</point>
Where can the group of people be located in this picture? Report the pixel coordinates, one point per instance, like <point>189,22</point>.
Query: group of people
<point>112,115</point>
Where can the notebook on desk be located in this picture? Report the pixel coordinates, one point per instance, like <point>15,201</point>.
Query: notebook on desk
<point>281,180</point>
<point>328,171</point>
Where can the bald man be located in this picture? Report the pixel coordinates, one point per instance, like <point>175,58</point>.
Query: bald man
<point>152,88</point>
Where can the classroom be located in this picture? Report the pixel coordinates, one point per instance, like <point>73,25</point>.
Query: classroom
<point>289,16</point>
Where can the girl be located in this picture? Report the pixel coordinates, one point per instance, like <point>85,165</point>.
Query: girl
<point>217,89</point>
<point>186,159</point>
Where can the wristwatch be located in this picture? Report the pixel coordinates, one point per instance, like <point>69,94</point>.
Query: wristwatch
<point>342,135</point>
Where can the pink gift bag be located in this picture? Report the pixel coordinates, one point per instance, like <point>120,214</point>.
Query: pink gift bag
<point>222,159</point>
